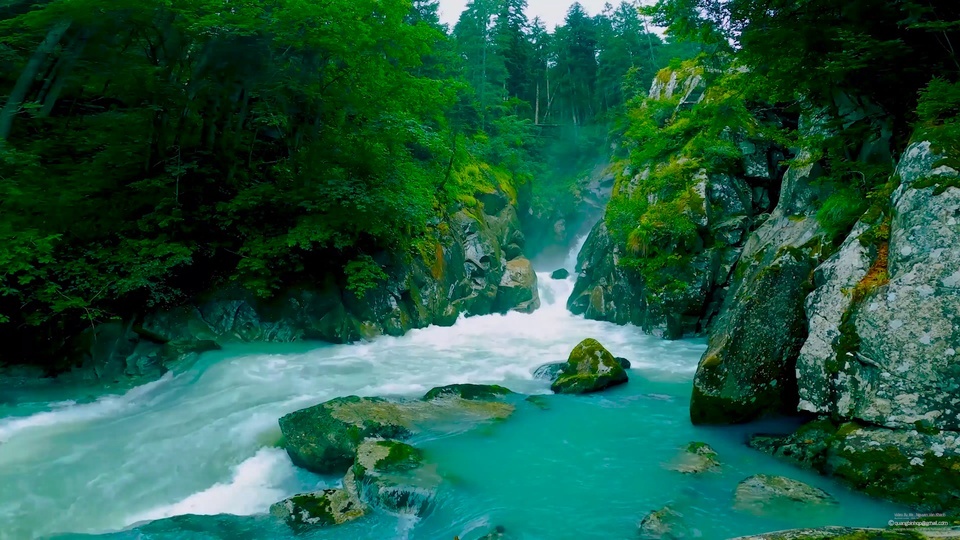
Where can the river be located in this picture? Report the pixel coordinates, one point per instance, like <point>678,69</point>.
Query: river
<point>204,441</point>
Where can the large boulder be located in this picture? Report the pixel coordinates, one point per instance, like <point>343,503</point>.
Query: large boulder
<point>590,368</point>
<point>322,508</point>
<point>394,476</point>
<point>761,493</point>
<point>749,367</point>
<point>920,468</point>
<point>324,438</point>
<point>518,288</point>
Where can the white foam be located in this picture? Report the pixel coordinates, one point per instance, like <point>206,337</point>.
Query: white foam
<point>65,413</point>
<point>255,485</point>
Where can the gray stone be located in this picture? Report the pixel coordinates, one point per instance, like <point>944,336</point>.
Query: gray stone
<point>762,493</point>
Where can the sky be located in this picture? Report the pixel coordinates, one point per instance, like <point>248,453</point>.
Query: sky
<point>551,11</point>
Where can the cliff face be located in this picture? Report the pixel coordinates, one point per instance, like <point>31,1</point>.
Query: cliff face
<point>720,207</point>
<point>475,266</point>
<point>860,328</point>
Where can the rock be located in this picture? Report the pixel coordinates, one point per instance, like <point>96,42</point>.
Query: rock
<point>896,362</point>
<point>518,288</point>
<point>624,363</point>
<point>749,367</point>
<point>394,476</point>
<point>590,368</point>
<point>560,274</point>
<point>663,524</point>
<point>838,533</point>
<point>549,372</point>
<point>324,438</point>
<point>481,392</point>
<point>762,492</point>
<point>696,457</point>
<point>322,508</point>
<point>540,402</point>
<point>920,468</point>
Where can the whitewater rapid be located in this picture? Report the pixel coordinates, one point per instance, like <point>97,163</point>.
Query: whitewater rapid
<point>204,441</point>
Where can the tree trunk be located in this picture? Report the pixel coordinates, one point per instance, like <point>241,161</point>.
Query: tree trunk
<point>27,77</point>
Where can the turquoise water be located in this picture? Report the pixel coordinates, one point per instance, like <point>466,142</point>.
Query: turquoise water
<point>202,441</point>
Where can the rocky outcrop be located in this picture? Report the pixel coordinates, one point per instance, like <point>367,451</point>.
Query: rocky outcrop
<point>893,359</point>
<point>324,438</point>
<point>749,367</point>
<point>759,493</point>
<point>322,508</point>
<point>879,363</point>
<point>590,368</point>
<point>473,266</point>
<point>723,208</point>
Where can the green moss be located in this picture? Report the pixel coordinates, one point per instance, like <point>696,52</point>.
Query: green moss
<point>939,183</point>
<point>402,457</point>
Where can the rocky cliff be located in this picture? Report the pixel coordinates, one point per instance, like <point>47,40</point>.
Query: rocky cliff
<point>624,281</point>
<point>859,327</point>
<point>473,266</point>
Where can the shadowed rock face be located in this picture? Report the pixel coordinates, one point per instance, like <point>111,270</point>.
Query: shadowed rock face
<point>590,368</point>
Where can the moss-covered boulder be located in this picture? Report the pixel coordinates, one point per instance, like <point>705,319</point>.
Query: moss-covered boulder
<point>837,533</point>
<point>919,467</point>
<point>479,392</point>
<point>762,492</point>
<point>695,458</point>
<point>322,508</point>
<point>324,438</point>
<point>394,476</point>
<point>590,368</point>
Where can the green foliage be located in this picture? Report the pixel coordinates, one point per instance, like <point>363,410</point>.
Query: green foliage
<point>363,274</point>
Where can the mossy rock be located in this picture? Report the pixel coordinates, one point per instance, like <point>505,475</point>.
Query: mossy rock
<point>761,492</point>
<point>393,476</point>
<point>324,438</point>
<point>662,523</point>
<point>322,508</point>
<point>478,392</point>
<point>590,368</point>
<point>695,458</point>
<point>898,465</point>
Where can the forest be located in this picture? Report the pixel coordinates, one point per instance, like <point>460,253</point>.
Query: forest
<point>150,151</point>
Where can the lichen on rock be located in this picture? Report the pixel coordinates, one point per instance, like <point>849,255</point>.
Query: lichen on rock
<point>590,368</point>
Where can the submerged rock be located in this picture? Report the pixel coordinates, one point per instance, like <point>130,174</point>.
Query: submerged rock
<point>478,392</point>
<point>836,533</point>
<point>560,274</point>
<point>394,476</point>
<point>695,458</point>
<point>324,438</point>
<point>499,533</point>
<point>759,493</point>
<point>590,368</point>
<point>663,524</point>
<point>327,507</point>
